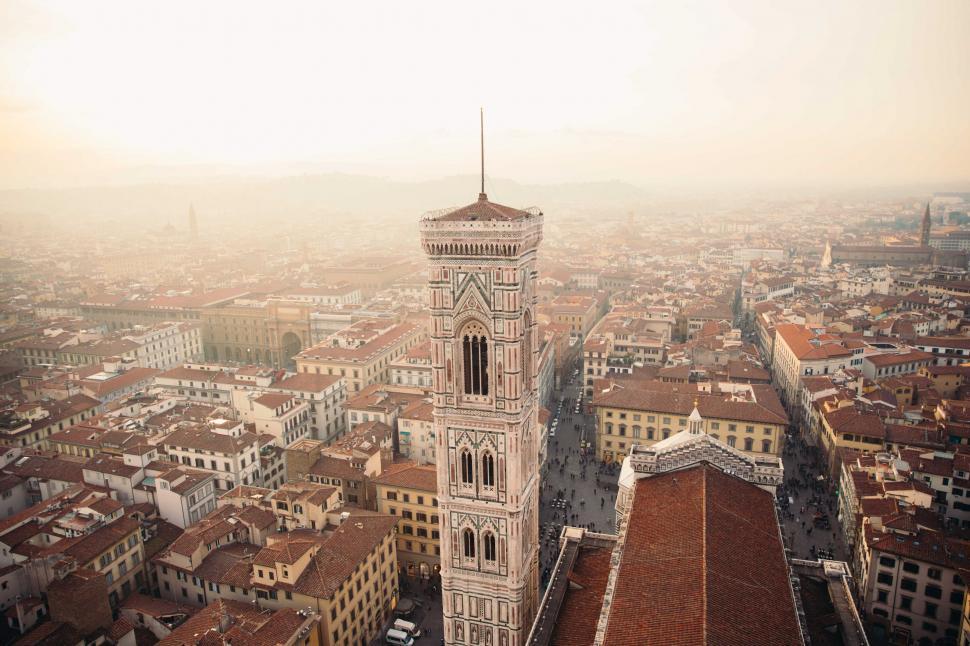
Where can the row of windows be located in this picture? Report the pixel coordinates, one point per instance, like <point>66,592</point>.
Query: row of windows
<point>469,544</point>
<point>731,441</point>
<point>406,497</point>
<point>467,465</point>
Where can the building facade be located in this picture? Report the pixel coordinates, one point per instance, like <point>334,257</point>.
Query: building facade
<point>484,354</point>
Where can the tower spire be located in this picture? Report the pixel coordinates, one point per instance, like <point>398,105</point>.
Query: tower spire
<point>481,132</point>
<point>924,238</point>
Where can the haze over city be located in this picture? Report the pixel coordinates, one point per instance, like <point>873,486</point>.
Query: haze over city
<point>655,94</point>
<point>636,324</point>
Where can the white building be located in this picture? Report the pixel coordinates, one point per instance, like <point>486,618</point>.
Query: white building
<point>221,447</point>
<point>415,432</point>
<point>166,345</point>
<point>183,495</point>
<point>278,414</point>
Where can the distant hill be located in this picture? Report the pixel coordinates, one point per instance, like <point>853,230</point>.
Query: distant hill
<point>306,195</point>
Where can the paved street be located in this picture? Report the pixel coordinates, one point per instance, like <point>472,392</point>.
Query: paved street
<point>570,491</point>
<point>809,498</point>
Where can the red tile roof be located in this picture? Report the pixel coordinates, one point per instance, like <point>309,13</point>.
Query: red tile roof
<point>483,210</point>
<point>702,563</point>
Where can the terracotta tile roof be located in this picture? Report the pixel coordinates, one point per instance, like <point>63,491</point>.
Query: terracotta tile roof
<point>850,420</point>
<point>101,539</point>
<point>483,210</point>
<point>248,626</point>
<point>273,400</point>
<point>766,408</point>
<point>154,606</point>
<point>344,550</point>
<point>880,360</point>
<point>410,476</point>
<point>335,468</point>
<point>229,565</point>
<point>799,339</point>
<point>307,382</point>
<point>580,610</point>
<point>702,563</point>
<point>198,437</point>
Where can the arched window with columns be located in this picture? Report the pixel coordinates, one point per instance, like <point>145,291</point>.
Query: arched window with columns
<point>467,464</point>
<point>468,543</point>
<point>474,358</point>
<point>488,470</point>
<point>526,353</point>
<point>488,546</point>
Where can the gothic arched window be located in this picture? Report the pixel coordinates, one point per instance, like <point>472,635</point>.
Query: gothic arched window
<point>526,353</point>
<point>474,354</point>
<point>488,546</point>
<point>468,543</point>
<point>467,467</point>
<point>488,470</point>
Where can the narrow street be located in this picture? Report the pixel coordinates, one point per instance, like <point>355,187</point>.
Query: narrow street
<point>807,511</point>
<point>576,490</point>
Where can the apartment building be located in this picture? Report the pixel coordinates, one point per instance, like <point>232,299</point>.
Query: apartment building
<point>578,311</point>
<point>296,505</point>
<point>78,528</point>
<point>221,447</point>
<point>415,432</point>
<point>802,351</point>
<point>280,415</point>
<point>911,581</point>
<point>184,495</point>
<point>159,346</point>
<point>214,384</point>
<point>381,403</point>
<point>29,425</point>
<point>748,417</point>
<point>410,491</point>
<point>362,353</point>
<point>345,571</point>
<point>414,368</point>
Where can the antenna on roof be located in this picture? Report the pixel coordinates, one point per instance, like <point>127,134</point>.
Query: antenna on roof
<point>481,126</point>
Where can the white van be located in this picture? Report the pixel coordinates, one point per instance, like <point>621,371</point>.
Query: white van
<point>408,627</point>
<point>398,638</point>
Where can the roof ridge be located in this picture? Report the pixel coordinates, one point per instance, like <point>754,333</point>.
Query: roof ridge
<point>704,586</point>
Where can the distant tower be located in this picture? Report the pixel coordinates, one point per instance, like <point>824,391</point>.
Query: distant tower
<point>924,238</point>
<point>193,222</point>
<point>827,255</point>
<point>484,349</point>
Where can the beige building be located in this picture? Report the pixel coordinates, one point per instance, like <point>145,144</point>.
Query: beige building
<point>30,425</point>
<point>296,505</point>
<point>345,571</point>
<point>265,332</point>
<point>381,403</point>
<point>578,311</point>
<point>799,351</point>
<point>748,417</point>
<point>415,432</point>
<point>410,492</point>
<point>363,353</point>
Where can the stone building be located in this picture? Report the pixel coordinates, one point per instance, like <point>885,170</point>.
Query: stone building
<point>484,347</point>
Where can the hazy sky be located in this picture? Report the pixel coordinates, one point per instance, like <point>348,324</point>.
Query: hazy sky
<point>664,93</point>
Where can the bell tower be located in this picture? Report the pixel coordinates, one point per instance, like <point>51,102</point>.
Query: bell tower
<point>482,275</point>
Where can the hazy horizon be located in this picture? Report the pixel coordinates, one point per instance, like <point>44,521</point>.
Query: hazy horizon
<point>659,97</point>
